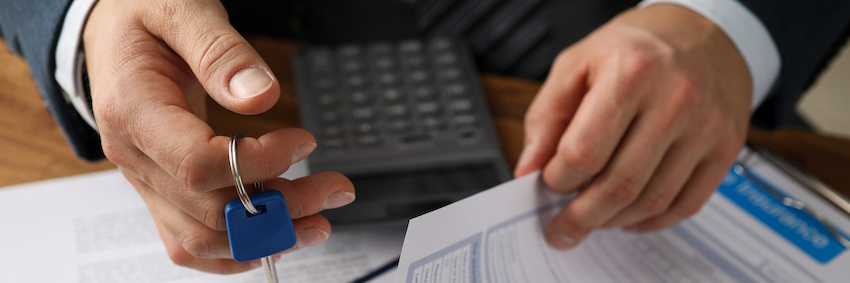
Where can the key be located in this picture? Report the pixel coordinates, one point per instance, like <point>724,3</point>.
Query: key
<point>258,226</point>
<point>260,235</point>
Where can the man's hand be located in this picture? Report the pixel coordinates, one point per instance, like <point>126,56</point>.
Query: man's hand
<point>150,63</point>
<point>648,112</point>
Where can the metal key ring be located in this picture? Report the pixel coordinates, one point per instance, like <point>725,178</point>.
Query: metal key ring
<point>237,176</point>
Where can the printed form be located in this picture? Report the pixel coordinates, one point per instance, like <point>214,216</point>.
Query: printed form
<point>496,236</point>
<point>96,229</point>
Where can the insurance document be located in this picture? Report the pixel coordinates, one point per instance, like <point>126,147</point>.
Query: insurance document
<point>496,236</point>
<point>95,228</point>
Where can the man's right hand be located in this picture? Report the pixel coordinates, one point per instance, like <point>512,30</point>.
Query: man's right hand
<point>151,64</point>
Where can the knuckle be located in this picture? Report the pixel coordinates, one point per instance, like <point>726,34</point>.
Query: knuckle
<point>655,205</point>
<point>297,209</point>
<point>580,157</point>
<point>196,245</point>
<point>190,173</point>
<point>623,191</point>
<point>576,226</point>
<point>686,211</point>
<point>113,152</point>
<point>212,215</point>
<point>641,58</point>
<point>564,56</point>
<point>638,63</point>
<point>217,49</point>
<point>105,107</point>
<point>685,97</point>
<point>534,117</point>
<point>109,121</point>
<point>180,258</point>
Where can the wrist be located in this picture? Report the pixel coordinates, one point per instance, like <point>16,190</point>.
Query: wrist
<point>697,43</point>
<point>679,27</point>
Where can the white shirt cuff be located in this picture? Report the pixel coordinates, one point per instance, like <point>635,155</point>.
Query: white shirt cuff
<point>70,59</point>
<point>747,33</point>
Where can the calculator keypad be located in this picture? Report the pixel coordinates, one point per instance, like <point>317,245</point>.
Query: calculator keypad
<point>384,95</point>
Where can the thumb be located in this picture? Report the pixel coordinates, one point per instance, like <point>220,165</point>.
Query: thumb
<point>228,67</point>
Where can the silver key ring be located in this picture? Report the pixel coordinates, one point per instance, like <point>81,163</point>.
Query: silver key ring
<point>237,176</point>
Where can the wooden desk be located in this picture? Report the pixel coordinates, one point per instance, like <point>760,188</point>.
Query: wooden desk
<point>32,147</point>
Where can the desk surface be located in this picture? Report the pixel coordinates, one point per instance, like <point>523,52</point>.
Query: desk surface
<point>32,147</point>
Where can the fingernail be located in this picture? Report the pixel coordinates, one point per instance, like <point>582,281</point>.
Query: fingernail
<point>561,241</point>
<point>338,199</point>
<point>303,151</point>
<point>250,82</point>
<point>310,237</point>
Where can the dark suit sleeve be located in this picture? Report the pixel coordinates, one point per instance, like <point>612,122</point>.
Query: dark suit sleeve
<point>808,34</point>
<point>31,29</point>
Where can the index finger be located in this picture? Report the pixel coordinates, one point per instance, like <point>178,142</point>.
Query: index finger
<point>600,122</point>
<point>551,112</point>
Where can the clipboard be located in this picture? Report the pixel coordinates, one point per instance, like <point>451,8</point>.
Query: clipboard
<point>828,195</point>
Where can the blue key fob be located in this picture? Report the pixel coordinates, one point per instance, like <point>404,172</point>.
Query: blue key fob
<point>268,232</point>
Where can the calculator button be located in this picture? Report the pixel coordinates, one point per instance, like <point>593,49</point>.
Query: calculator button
<point>410,46</point>
<point>461,105</point>
<point>399,126</point>
<point>415,61</point>
<point>392,94</point>
<point>332,131</point>
<point>388,78</point>
<point>428,108</point>
<point>425,93</point>
<point>333,143</point>
<point>325,84</point>
<point>353,65</point>
<point>462,121</point>
<point>321,60</point>
<point>397,110</point>
<point>384,63</point>
<point>360,97</point>
<point>467,135</point>
<point>455,89</point>
<point>350,51</point>
<point>440,44</point>
<point>380,48</point>
<point>368,140</point>
<point>432,123</point>
<point>419,76</point>
<point>362,113</point>
<point>321,56</point>
<point>364,128</point>
<point>327,100</point>
<point>329,116</point>
<point>357,81</point>
<point>450,74</point>
<point>445,59</point>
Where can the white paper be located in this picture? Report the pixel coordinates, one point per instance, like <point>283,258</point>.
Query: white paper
<point>95,228</point>
<point>386,277</point>
<point>497,236</point>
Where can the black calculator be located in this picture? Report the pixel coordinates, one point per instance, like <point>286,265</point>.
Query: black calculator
<point>406,121</point>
